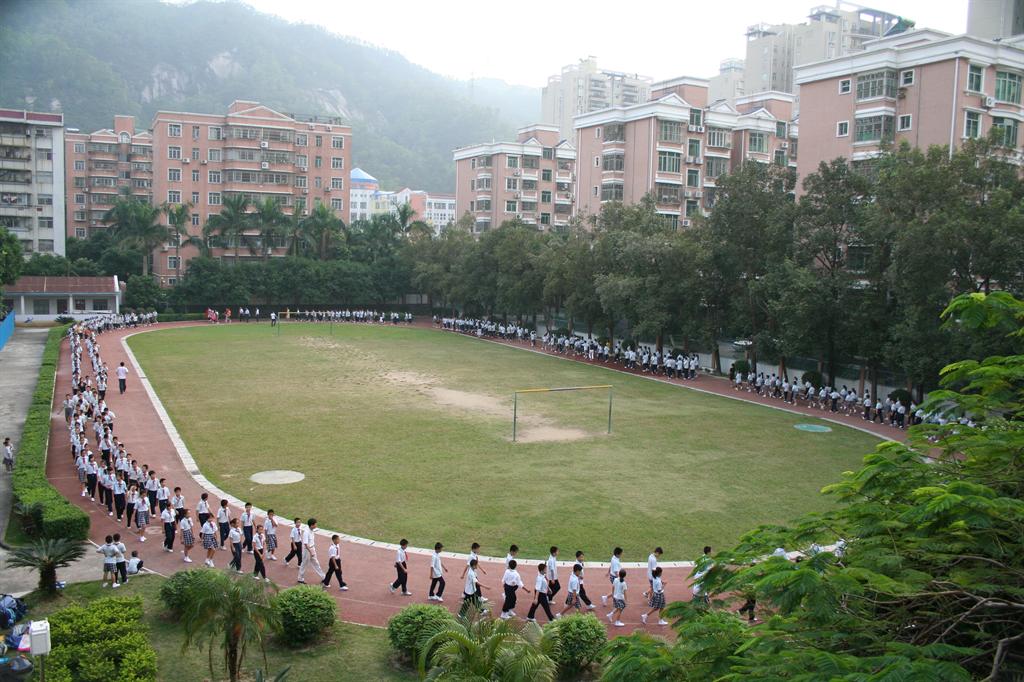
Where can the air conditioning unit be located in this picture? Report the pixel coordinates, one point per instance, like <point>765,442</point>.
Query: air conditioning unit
<point>85,189</point>
<point>685,223</point>
<point>186,160</point>
<point>784,145</point>
<point>518,194</point>
<point>691,129</point>
<point>517,172</point>
<point>990,102</point>
<point>700,129</point>
<point>264,165</point>
<point>698,195</point>
<point>305,191</point>
<point>264,144</point>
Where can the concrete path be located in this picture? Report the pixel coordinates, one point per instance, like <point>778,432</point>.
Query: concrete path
<point>367,564</point>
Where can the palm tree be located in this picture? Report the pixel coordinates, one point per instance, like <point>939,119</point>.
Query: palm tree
<point>178,215</point>
<point>232,221</point>
<point>137,224</point>
<point>409,227</point>
<point>46,555</point>
<point>478,647</point>
<point>234,611</point>
<point>322,228</point>
<point>270,221</point>
<point>294,233</point>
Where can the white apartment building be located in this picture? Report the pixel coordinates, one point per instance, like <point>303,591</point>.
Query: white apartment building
<point>582,88</point>
<point>32,179</point>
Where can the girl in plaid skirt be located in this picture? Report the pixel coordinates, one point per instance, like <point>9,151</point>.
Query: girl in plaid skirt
<point>657,599</point>
<point>270,532</point>
<point>187,537</point>
<point>141,519</point>
<point>210,544</point>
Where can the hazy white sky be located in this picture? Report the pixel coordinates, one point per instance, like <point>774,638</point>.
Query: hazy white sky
<point>525,41</point>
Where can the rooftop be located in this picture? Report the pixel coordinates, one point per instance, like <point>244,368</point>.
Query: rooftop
<point>33,284</point>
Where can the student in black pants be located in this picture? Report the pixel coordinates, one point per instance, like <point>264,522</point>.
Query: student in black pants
<point>583,590</point>
<point>235,537</point>
<point>295,537</point>
<point>258,542</point>
<point>402,570</point>
<point>542,587</point>
<point>170,528</point>
<point>223,522</point>
<point>334,564</point>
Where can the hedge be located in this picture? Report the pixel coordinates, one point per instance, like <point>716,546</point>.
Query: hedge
<point>178,591</point>
<point>100,642</point>
<point>581,637</point>
<point>180,317</point>
<point>53,515</point>
<point>305,612</point>
<point>407,627</point>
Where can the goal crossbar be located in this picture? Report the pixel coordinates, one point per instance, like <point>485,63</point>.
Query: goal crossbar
<point>515,401</point>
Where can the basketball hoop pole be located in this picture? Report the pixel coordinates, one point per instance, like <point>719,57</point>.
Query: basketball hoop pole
<point>515,410</point>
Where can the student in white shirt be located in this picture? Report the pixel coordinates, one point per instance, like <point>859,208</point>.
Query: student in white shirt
<point>295,540</point>
<point>613,572</point>
<point>178,503</point>
<point>334,563</point>
<point>187,536</point>
<point>541,599</point>
<point>119,558</point>
<point>652,563</point>
<point>472,587</point>
<point>167,516</point>
<point>572,598</point>
<point>223,522</point>
<point>474,553</point>
<point>235,538</point>
<point>109,553</point>
<point>437,571</point>
<point>657,600</point>
<point>402,570</point>
<point>163,495</point>
<point>552,573</point>
<point>259,569</point>
<point>618,599</point>
<point>134,564</point>
<point>209,533</point>
<point>511,581</point>
<point>583,589</point>
<point>203,509</point>
<point>122,378</point>
<point>513,555</point>
<point>248,519</point>
<point>309,552</point>
<point>270,529</point>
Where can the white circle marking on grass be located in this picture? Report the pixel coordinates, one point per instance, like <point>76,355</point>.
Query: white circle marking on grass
<point>277,477</point>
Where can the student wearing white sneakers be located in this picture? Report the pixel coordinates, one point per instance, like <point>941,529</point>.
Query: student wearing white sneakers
<point>657,600</point>
<point>309,552</point>
<point>167,516</point>
<point>511,582</point>
<point>109,552</point>
<point>187,536</point>
<point>652,563</point>
<point>552,573</point>
<point>618,599</point>
<point>209,533</point>
<point>437,571</point>
<point>471,588</point>
<point>402,570</point>
<point>572,599</point>
<point>259,569</point>
<point>613,572</point>
<point>474,553</point>
<point>334,564</point>
<point>541,587</point>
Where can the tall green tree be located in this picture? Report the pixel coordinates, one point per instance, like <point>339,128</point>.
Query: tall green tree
<point>11,260</point>
<point>323,229</point>
<point>232,222</point>
<point>178,216</point>
<point>137,224</point>
<point>269,221</point>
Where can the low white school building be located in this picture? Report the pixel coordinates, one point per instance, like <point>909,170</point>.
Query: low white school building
<point>43,299</point>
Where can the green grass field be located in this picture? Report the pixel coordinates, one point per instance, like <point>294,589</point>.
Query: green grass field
<point>405,432</point>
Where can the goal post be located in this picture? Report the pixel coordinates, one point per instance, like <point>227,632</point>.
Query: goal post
<point>515,401</point>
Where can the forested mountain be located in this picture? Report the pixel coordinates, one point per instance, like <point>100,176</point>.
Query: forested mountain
<point>92,59</point>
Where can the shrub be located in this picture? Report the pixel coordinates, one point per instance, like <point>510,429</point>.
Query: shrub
<point>581,637</point>
<point>741,366</point>
<point>53,516</point>
<point>813,376</point>
<point>410,624</point>
<point>99,642</point>
<point>176,592</point>
<point>902,395</point>
<point>63,319</point>
<point>305,612</point>
<point>180,317</point>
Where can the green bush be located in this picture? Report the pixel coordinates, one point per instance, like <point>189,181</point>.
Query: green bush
<point>176,592</point>
<point>902,395</point>
<point>63,319</point>
<point>100,642</point>
<point>180,317</point>
<point>305,612</point>
<point>813,376</point>
<point>53,516</point>
<point>408,625</point>
<point>741,366</point>
<point>581,637</point>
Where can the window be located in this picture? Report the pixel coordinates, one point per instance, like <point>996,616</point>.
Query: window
<point>612,191</point>
<point>337,183</point>
<point>41,306</point>
<point>79,215</point>
<point>195,132</point>
<point>693,147</point>
<point>173,130</point>
<point>214,133</point>
<point>1008,86</point>
<point>670,220</point>
<point>906,78</point>
<point>337,204</point>
<point>510,206</point>
<point>483,205</point>
<point>597,190</point>
<point>319,140</point>
<point>613,162</point>
<point>337,162</point>
<point>531,162</point>
<point>213,199</point>
<point>758,142</point>
<point>174,174</point>
<point>692,177</point>
<point>172,262</point>
<point>844,86</point>
<point>842,128</point>
<point>876,84</point>
<point>46,223</point>
<point>972,124</point>
<point>615,132</point>
<point>548,153</point>
<point>337,142</point>
<point>668,162</point>
<point>195,198</point>
<point>301,181</point>
<point>195,175</point>
<point>483,183</point>
<point>79,198</point>
<point>511,183</point>
<point>79,147</point>
<point>195,219</point>
<point>597,162</point>
<point>174,152</point>
<point>80,233</point>
<point>873,129</point>
<point>300,139</point>
<point>527,185</point>
<point>318,162</point>
<point>545,175</point>
<point>213,177</point>
<point>719,137</point>
<point>302,161</point>
<point>692,207</point>
<point>597,133</point>
<point>670,131</point>
<point>173,196</point>
<point>512,162</point>
<point>696,117</point>
<point>545,196</point>
<point>780,157</point>
<point>1007,127</point>
<point>780,129</point>
<point>666,193</point>
<point>904,122</point>
<point>716,167</point>
<point>195,153</point>
<point>975,78</point>
<point>214,154</point>
<point>545,218</point>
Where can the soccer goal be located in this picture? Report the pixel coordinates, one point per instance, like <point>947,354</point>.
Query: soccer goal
<point>515,401</point>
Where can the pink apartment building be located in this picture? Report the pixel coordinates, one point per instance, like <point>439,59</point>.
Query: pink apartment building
<point>98,166</point>
<point>675,146</point>
<point>255,151</point>
<point>924,87</point>
<point>533,179</point>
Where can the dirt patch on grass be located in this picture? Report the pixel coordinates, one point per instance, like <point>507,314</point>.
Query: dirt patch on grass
<point>533,432</point>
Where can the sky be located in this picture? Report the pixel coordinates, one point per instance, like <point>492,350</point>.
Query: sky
<point>525,41</point>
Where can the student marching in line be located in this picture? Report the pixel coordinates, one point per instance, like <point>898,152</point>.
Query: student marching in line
<point>511,581</point>
<point>541,588</point>
<point>470,592</point>
<point>613,572</point>
<point>402,569</point>
<point>437,571</point>
<point>270,529</point>
<point>167,516</point>
<point>120,490</point>
<point>552,573</point>
<point>235,538</point>
<point>141,517</point>
<point>334,564</point>
<point>618,599</point>
<point>474,553</point>
<point>657,600</point>
<point>178,504</point>
<point>187,536</point>
<point>209,533</point>
<point>248,518</point>
<point>295,540</point>
<point>309,552</point>
<point>652,563</point>
<point>223,522</point>
<point>163,495</point>
<point>572,599</point>
<point>131,500</point>
<point>583,589</point>
<point>513,554</point>
<point>259,570</point>
<point>203,509</point>
<point>152,485</point>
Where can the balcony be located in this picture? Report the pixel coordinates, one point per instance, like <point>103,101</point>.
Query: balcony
<point>7,140</point>
<point>16,162</point>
